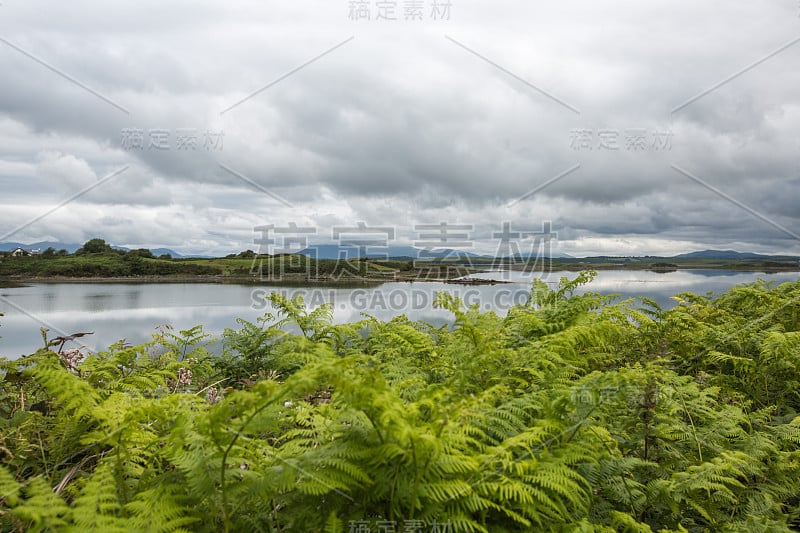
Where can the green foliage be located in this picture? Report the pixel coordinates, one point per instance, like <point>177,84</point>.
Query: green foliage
<point>95,246</point>
<point>109,263</point>
<point>98,259</point>
<point>141,252</point>
<point>572,413</point>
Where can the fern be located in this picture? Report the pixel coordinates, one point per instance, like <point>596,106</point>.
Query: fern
<point>571,413</point>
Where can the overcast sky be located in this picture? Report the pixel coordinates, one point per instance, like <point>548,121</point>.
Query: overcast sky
<point>635,127</point>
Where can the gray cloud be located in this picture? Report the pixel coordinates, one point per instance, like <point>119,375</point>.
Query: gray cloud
<point>401,125</point>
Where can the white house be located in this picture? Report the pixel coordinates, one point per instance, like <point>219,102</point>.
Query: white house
<point>18,252</point>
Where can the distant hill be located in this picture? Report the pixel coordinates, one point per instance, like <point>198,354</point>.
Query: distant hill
<point>335,251</point>
<point>725,254</point>
<point>557,255</point>
<point>161,251</point>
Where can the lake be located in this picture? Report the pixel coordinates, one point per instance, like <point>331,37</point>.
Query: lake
<point>131,311</point>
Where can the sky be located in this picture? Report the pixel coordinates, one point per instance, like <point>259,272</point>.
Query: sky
<point>630,127</point>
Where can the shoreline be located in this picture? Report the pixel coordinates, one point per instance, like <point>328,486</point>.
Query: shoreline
<point>216,279</point>
<point>571,267</point>
<point>363,281</point>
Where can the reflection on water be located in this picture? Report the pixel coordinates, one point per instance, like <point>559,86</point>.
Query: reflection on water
<point>133,311</point>
<point>659,286</point>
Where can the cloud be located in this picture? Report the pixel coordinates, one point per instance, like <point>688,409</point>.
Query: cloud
<point>408,122</point>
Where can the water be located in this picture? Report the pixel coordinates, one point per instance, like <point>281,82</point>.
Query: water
<point>133,311</point>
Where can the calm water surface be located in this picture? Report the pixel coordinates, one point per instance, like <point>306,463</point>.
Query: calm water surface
<point>133,311</point>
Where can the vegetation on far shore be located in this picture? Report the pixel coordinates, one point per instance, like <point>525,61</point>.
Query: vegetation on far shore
<point>99,261</point>
<point>569,414</point>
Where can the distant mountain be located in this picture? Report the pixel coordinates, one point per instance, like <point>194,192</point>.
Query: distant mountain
<point>721,254</point>
<point>335,251</point>
<point>161,251</point>
<point>557,255</point>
